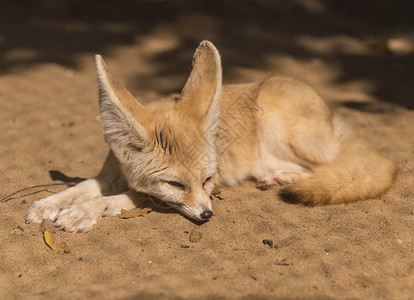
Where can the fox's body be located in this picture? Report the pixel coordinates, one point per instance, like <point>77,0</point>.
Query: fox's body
<point>277,131</point>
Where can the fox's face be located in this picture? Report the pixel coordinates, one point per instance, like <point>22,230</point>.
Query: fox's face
<point>177,165</point>
<point>168,154</point>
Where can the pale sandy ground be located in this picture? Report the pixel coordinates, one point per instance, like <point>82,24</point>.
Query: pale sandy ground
<point>49,121</point>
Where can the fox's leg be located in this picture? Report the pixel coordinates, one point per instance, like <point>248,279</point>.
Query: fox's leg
<point>306,149</point>
<point>108,182</point>
<point>280,177</point>
<point>280,173</point>
<point>80,217</point>
<point>49,208</point>
<point>306,152</point>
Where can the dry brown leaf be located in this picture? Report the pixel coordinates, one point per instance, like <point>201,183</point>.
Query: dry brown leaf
<point>49,240</point>
<point>133,213</point>
<point>61,247</point>
<point>216,191</point>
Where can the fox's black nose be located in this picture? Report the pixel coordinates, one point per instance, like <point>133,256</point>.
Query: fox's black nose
<point>206,214</point>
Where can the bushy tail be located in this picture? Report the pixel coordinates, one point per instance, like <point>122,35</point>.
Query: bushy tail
<point>357,173</point>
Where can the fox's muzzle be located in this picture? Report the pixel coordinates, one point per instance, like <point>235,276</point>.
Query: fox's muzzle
<point>207,214</point>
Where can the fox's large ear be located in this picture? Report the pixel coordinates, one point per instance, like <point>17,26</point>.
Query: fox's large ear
<point>124,118</point>
<point>200,98</point>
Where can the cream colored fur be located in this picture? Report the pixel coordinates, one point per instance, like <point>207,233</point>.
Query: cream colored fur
<point>277,131</point>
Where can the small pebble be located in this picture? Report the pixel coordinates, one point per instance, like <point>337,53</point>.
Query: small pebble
<point>268,242</point>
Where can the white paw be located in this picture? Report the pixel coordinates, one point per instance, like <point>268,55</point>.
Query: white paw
<point>76,218</point>
<point>42,211</point>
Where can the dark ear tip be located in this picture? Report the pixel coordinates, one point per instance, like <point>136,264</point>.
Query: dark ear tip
<point>207,46</point>
<point>206,43</point>
<point>208,50</point>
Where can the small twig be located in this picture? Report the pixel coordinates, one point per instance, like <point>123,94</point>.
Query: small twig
<point>10,196</point>
<point>33,193</point>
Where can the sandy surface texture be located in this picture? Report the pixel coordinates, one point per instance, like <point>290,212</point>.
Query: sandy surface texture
<point>357,54</point>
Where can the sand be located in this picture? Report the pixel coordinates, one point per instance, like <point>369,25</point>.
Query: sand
<point>358,56</point>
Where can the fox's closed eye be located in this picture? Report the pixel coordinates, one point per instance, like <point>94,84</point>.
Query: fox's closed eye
<point>175,184</point>
<point>207,180</point>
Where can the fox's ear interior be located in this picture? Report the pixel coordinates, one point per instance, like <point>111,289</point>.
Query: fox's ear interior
<point>124,118</point>
<point>200,97</point>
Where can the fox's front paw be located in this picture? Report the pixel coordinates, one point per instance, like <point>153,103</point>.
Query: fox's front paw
<point>42,211</point>
<point>76,218</point>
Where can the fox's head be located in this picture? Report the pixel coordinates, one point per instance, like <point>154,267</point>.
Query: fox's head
<point>169,153</point>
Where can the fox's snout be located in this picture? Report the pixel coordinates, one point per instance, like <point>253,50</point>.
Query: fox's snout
<point>204,215</point>
<point>197,206</point>
<point>207,214</point>
<point>196,213</point>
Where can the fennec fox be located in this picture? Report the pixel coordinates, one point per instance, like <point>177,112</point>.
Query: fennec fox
<point>277,131</point>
